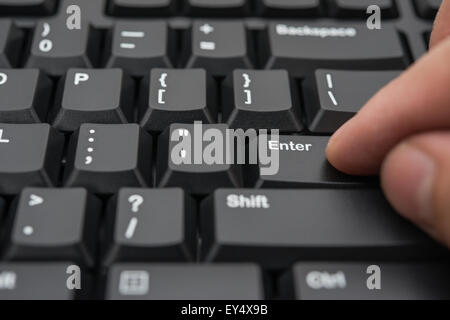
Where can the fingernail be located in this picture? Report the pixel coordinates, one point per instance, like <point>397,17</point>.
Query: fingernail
<point>412,196</point>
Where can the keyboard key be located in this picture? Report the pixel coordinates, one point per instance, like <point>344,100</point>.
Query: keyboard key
<point>261,100</point>
<point>30,155</point>
<point>55,224</point>
<point>302,48</point>
<point>301,162</point>
<point>178,163</point>
<point>336,96</point>
<point>27,7</point>
<point>55,48</point>
<point>151,225</point>
<point>291,8</point>
<point>40,281</point>
<point>352,280</point>
<point>10,44</point>
<point>141,8</point>
<point>277,227</point>
<point>427,8</point>
<point>358,8</point>
<point>181,96</point>
<point>139,46</point>
<point>184,282</point>
<point>211,48</point>
<point>104,158</point>
<point>25,95</point>
<point>218,7</point>
<point>94,96</point>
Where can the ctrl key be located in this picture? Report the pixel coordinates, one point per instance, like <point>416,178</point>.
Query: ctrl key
<point>185,282</point>
<point>42,281</point>
<point>367,281</point>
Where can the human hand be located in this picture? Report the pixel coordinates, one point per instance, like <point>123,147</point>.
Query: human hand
<point>403,133</point>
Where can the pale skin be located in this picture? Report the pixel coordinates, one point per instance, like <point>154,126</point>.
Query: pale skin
<point>403,134</point>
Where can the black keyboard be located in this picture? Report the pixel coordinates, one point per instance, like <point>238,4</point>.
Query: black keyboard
<point>92,197</point>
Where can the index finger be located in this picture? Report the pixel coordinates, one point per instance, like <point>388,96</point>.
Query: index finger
<point>417,101</point>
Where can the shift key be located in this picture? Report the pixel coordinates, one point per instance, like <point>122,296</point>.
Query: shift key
<point>302,48</point>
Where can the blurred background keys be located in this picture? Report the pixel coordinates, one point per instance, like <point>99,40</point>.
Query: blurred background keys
<point>151,225</point>
<point>55,224</point>
<point>208,8</point>
<point>139,46</point>
<point>336,96</point>
<point>181,161</point>
<point>55,48</point>
<point>210,47</point>
<point>427,8</point>
<point>30,155</point>
<point>10,44</point>
<point>106,157</point>
<point>301,162</point>
<point>277,227</point>
<point>94,96</point>
<point>141,8</point>
<point>366,281</point>
<point>41,281</point>
<point>25,95</point>
<point>177,96</point>
<point>27,7</point>
<point>290,8</point>
<point>184,282</point>
<point>358,8</point>
<point>302,48</point>
<point>261,100</point>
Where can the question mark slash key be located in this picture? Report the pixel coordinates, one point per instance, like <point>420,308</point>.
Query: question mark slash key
<point>150,225</point>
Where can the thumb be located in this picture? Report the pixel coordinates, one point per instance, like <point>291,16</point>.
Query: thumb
<point>416,179</point>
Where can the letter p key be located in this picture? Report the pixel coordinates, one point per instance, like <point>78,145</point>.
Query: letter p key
<point>80,77</point>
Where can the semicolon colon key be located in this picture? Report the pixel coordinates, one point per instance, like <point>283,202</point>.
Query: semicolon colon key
<point>105,157</point>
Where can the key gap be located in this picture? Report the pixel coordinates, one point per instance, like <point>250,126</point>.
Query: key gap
<point>218,81</point>
<point>406,48</point>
